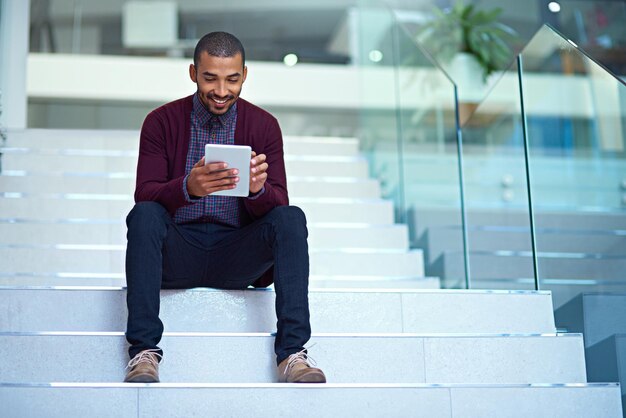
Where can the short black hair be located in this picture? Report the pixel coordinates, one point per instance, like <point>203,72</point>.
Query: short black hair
<point>219,44</point>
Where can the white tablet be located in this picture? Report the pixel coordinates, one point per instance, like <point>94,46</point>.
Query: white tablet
<point>236,156</point>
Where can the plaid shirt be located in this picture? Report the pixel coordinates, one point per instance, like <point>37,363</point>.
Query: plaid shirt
<point>207,128</point>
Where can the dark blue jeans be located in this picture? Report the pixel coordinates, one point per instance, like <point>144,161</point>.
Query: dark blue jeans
<point>164,255</point>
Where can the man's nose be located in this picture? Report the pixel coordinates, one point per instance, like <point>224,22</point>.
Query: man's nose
<point>221,90</point>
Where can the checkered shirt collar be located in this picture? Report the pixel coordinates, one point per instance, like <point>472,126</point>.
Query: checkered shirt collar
<point>206,118</point>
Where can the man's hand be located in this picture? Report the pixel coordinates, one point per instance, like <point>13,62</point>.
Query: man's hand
<point>206,179</point>
<point>258,175</point>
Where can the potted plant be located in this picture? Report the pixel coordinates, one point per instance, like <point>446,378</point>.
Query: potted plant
<point>470,44</point>
<point>463,29</point>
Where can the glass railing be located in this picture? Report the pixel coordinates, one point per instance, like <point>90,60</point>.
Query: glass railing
<point>577,161</point>
<point>565,191</point>
<point>498,226</point>
<point>409,134</point>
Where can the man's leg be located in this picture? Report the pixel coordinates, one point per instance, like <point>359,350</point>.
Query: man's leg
<point>147,223</point>
<point>278,239</point>
<point>158,255</point>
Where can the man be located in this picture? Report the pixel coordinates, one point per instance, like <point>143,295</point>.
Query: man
<point>181,236</point>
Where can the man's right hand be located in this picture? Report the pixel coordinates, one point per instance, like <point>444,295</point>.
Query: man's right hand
<point>206,179</point>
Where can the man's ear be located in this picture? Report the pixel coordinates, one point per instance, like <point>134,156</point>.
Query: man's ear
<point>245,73</point>
<point>193,73</point>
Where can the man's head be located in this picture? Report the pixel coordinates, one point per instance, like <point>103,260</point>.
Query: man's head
<point>218,70</point>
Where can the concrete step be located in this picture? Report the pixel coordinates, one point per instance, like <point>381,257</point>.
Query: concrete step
<point>489,168</point>
<point>563,290</point>
<point>601,316</point>
<point>238,358</point>
<point>103,259</point>
<point>126,162</point>
<point>440,239</point>
<point>424,218</point>
<point>373,282</point>
<point>116,207</point>
<point>334,282</point>
<point>322,236</point>
<point>63,400</point>
<point>129,140</point>
<point>546,197</point>
<point>292,146</point>
<point>511,265</point>
<point>340,187</point>
<point>74,138</point>
<point>317,145</point>
<point>209,310</point>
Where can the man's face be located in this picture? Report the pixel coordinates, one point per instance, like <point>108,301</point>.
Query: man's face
<point>219,81</point>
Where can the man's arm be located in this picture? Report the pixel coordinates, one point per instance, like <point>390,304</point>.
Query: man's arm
<point>273,191</point>
<point>153,182</point>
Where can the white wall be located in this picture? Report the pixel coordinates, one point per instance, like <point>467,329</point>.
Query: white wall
<point>14,25</point>
<point>307,86</point>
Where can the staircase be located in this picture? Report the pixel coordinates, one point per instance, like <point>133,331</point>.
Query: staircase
<point>391,343</point>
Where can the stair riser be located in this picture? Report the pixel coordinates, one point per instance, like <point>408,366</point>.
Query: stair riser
<point>329,282</point>
<point>270,402</point>
<point>294,146</point>
<point>128,164</point>
<point>392,237</point>
<point>76,139</point>
<point>513,267</point>
<point>129,140</point>
<point>419,312</point>
<point>428,218</point>
<point>103,261</point>
<point>236,359</point>
<point>363,189</point>
<point>374,212</point>
<point>315,282</point>
<point>446,239</point>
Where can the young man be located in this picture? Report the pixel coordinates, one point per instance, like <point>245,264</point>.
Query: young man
<point>182,236</point>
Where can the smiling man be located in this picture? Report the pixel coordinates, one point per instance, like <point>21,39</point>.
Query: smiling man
<point>181,236</point>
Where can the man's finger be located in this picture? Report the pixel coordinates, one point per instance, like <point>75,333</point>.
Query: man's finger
<point>259,177</point>
<point>211,167</point>
<point>199,163</point>
<point>259,159</point>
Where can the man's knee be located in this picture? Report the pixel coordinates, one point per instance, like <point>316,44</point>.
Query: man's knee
<point>289,218</point>
<point>147,213</point>
<point>290,215</point>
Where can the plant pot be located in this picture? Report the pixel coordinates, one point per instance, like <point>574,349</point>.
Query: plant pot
<point>467,74</point>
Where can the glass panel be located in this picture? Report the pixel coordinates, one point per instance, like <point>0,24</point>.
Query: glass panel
<point>269,29</point>
<point>378,131</point>
<point>577,138</point>
<point>409,134</point>
<point>496,190</point>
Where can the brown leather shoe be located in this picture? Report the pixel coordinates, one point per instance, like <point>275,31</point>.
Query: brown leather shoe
<point>296,369</point>
<point>144,367</point>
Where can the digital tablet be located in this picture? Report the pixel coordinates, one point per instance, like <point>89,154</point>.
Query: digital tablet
<point>236,156</point>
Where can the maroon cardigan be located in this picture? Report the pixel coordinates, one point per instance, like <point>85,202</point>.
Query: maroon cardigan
<point>163,147</point>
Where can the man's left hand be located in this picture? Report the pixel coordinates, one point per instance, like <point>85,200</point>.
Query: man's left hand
<point>258,172</point>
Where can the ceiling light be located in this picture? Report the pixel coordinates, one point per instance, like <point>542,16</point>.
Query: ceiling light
<point>375,55</point>
<point>290,60</point>
<point>554,7</point>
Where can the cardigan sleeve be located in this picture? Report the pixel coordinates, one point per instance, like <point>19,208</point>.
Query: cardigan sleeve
<point>153,182</point>
<point>275,193</point>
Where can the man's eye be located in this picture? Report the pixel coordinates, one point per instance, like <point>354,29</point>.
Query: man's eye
<point>210,80</point>
<point>233,80</point>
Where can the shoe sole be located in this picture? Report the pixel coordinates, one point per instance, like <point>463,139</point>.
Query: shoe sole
<point>141,379</point>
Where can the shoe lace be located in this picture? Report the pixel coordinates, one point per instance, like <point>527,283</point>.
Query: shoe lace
<point>301,357</point>
<point>151,356</point>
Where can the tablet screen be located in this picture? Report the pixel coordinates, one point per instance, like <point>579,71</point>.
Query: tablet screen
<point>236,156</point>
